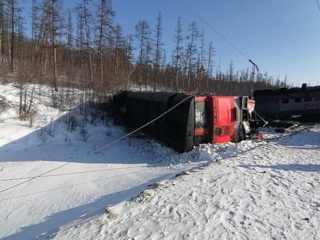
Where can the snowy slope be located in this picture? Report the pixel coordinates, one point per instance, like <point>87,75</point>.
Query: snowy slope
<point>250,190</point>
<point>62,177</point>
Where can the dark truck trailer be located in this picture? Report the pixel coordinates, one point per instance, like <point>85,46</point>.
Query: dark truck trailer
<point>189,121</point>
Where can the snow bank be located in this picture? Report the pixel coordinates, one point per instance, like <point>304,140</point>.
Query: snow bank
<point>249,190</point>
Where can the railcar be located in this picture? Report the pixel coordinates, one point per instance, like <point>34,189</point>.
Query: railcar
<point>287,103</point>
<point>185,121</point>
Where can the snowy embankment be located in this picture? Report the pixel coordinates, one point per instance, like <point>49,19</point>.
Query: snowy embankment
<point>249,190</point>
<point>51,172</point>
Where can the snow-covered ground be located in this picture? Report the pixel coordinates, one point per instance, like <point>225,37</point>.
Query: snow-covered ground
<point>55,184</point>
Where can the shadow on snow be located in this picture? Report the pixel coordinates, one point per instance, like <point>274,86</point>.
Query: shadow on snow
<point>288,167</point>
<point>303,140</point>
<point>79,213</point>
<point>68,139</point>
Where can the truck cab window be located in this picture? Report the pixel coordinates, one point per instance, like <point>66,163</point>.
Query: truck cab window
<point>201,115</point>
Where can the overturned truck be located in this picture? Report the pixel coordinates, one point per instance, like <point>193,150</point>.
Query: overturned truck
<point>182,121</point>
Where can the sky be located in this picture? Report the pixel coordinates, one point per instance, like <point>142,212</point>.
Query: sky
<point>281,36</point>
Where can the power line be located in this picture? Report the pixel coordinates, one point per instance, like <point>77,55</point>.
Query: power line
<point>219,34</point>
<point>69,186</point>
<point>71,173</point>
<point>318,4</point>
<point>33,178</point>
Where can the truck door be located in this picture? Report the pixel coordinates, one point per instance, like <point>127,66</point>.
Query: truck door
<point>224,119</point>
<point>201,120</point>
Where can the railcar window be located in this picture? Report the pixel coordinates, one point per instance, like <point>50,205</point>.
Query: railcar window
<point>298,100</point>
<point>308,99</point>
<point>201,115</point>
<point>285,100</point>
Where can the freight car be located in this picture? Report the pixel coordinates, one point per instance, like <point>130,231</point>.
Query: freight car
<point>288,103</point>
<point>186,120</point>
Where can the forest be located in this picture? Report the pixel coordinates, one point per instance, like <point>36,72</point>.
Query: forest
<point>82,48</point>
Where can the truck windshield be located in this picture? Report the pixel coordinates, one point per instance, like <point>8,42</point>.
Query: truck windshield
<point>201,115</point>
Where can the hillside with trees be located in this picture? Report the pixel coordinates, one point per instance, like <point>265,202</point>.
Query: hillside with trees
<point>83,48</point>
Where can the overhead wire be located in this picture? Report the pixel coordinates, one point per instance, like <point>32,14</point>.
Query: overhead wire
<point>33,178</point>
<point>69,186</point>
<point>317,1</point>
<point>219,34</point>
<point>71,173</point>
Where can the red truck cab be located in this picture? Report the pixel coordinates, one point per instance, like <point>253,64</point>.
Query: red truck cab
<point>220,119</point>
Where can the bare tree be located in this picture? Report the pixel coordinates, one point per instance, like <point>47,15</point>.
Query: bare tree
<point>9,14</point>
<point>7,35</point>
<point>123,55</point>
<point>129,56</point>
<point>12,2</point>
<point>105,37</point>
<point>2,21</point>
<point>69,31</point>
<point>100,59</point>
<point>201,63</point>
<point>191,52</point>
<point>177,52</point>
<point>54,23</point>
<point>143,36</point>
<point>157,50</point>
<point>85,35</point>
<point>118,47</point>
<point>40,29</point>
<point>211,54</point>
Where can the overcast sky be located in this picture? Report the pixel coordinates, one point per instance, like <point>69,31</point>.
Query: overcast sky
<point>281,36</point>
